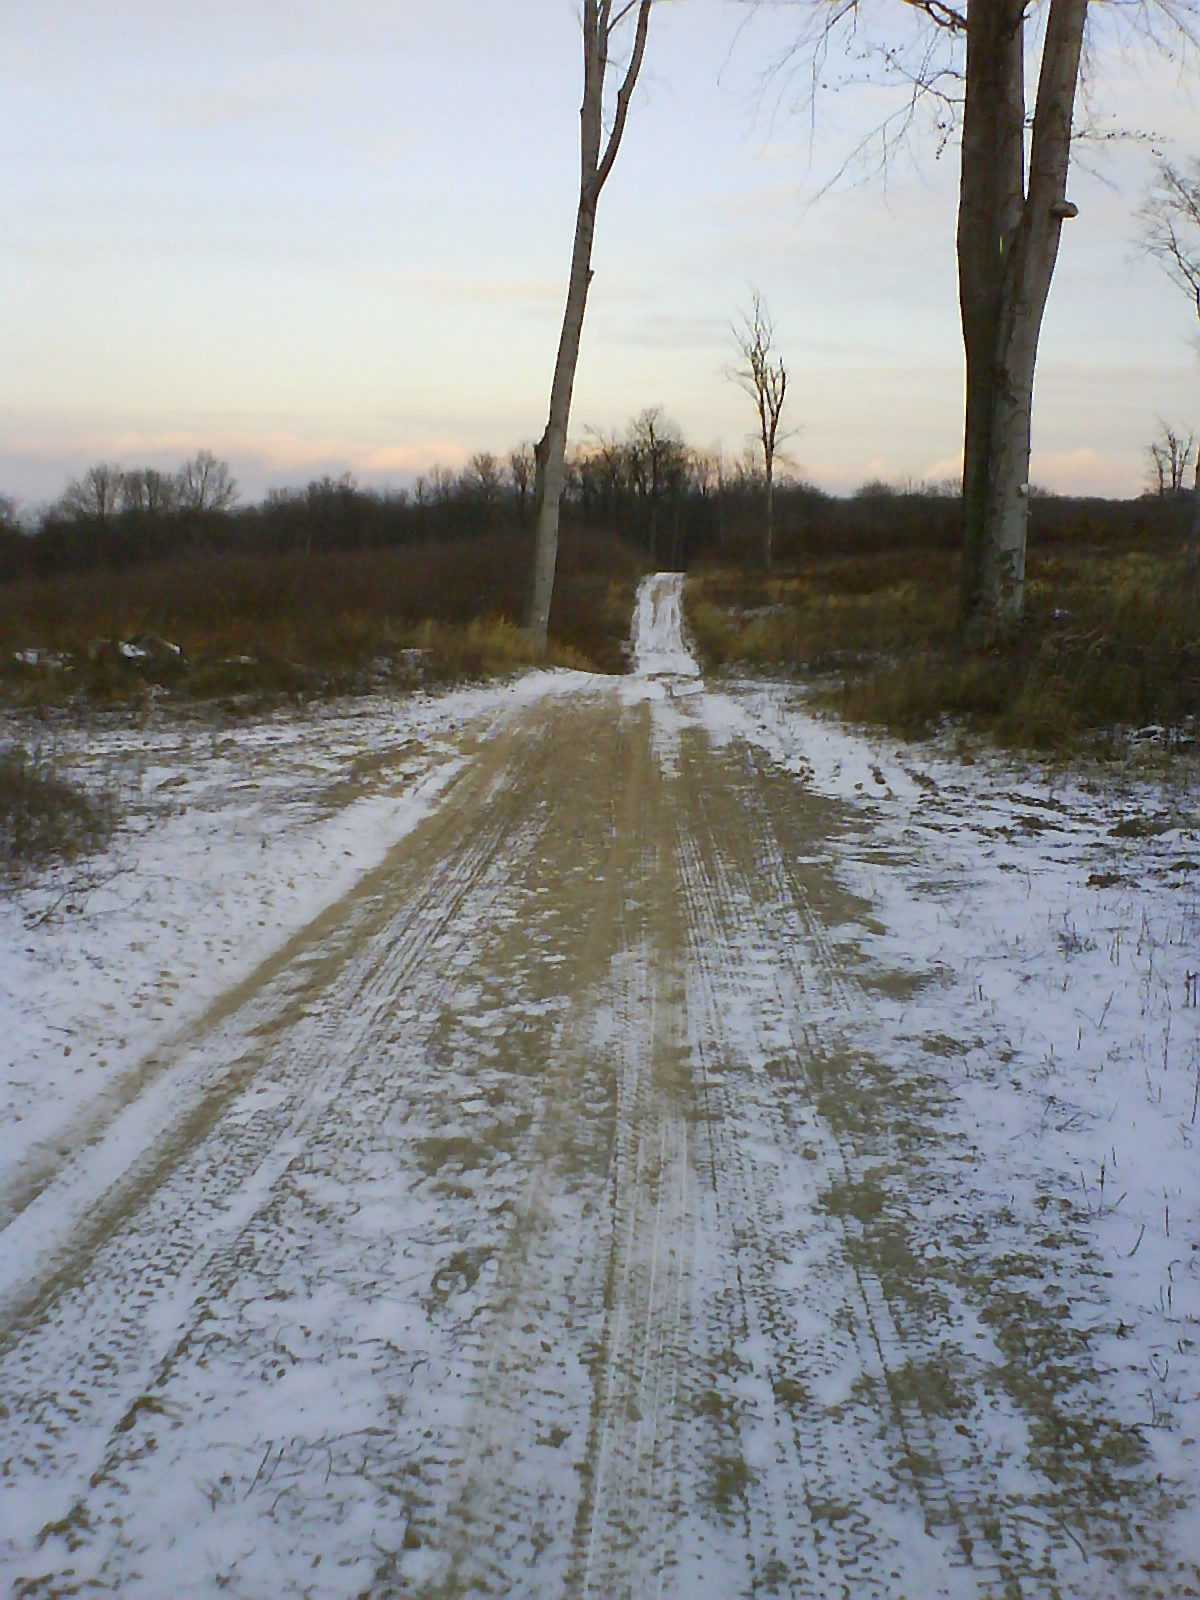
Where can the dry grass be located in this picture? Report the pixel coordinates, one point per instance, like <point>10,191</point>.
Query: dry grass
<point>1111,640</point>
<point>297,623</point>
<point>821,615</point>
<point>45,818</point>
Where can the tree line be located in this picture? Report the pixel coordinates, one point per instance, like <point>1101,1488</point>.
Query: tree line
<point>967,63</point>
<point>644,482</point>
<point>672,502</point>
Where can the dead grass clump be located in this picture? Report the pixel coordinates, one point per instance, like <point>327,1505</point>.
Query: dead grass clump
<point>488,647</point>
<point>1136,662</point>
<point>827,615</point>
<point>298,622</point>
<point>594,591</point>
<point>913,693</point>
<point>1110,640</point>
<point>44,818</point>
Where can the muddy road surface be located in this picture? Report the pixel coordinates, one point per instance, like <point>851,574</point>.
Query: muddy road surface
<point>536,1224</point>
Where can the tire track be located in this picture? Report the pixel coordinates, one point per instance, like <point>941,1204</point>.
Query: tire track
<point>187,1090</point>
<point>547,1220</point>
<point>619,1224</point>
<point>913,1454</point>
<point>929,1364</point>
<point>304,1059</point>
<point>826,1532</point>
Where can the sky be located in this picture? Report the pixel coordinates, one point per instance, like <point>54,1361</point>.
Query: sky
<point>321,238</point>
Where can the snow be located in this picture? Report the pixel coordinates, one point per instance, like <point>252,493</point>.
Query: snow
<point>1054,922</point>
<point>237,835</point>
<point>1009,965</point>
<point>659,650</point>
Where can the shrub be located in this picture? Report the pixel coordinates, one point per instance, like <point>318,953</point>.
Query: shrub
<point>1110,639</point>
<point>297,622</point>
<point>45,818</point>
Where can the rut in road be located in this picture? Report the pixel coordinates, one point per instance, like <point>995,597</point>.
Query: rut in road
<point>537,1225</point>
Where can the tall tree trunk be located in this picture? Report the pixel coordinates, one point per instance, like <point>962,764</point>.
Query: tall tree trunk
<point>1193,544</point>
<point>768,548</point>
<point>991,194</point>
<point>552,447</point>
<point>551,450</point>
<point>1007,247</point>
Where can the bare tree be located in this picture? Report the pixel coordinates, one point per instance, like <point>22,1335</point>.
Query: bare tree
<point>97,494</point>
<point>764,378</point>
<point>1172,223</point>
<point>521,469</point>
<point>656,460</point>
<point>483,478</point>
<point>1012,204</point>
<point>1169,456</point>
<point>706,471</point>
<point>145,489</point>
<point>611,463</point>
<point>601,20</point>
<point>205,484</point>
<point>602,467</point>
<point>1171,217</point>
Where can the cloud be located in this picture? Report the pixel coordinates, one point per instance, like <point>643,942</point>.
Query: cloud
<point>381,149</point>
<point>664,330</point>
<point>119,443</point>
<point>458,287</point>
<point>40,462</point>
<point>408,458</point>
<point>1086,471</point>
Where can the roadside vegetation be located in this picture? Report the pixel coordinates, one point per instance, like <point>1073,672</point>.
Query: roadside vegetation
<point>249,625</point>
<point>46,818</point>
<point>136,584</point>
<point>1110,640</point>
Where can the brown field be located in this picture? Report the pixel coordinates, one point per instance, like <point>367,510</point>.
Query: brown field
<point>311,622</point>
<point>1111,638</point>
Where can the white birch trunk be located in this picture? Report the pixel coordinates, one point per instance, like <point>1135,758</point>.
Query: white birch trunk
<point>598,24</point>
<point>552,449</point>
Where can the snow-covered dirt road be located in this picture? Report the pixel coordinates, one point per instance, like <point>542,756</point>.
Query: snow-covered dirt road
<point>583,1204</point>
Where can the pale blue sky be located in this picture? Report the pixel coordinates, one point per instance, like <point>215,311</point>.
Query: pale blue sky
<point>319,237</point>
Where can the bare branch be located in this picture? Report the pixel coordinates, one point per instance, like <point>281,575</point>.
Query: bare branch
<point>628,83</point>
<point>945,16</point>
<point>1171,226</point>
<point>914,46</point>
<point>622,14</point>
<point>764,379</point>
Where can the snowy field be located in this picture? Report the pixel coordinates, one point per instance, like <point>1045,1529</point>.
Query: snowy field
<point>861,1079</point>
<point>1054,923</point>
<point>236,836</point>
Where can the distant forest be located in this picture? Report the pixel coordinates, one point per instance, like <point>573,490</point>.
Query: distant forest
<point>672,504</point>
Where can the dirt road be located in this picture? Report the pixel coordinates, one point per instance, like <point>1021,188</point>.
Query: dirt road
<point>536,1225</point>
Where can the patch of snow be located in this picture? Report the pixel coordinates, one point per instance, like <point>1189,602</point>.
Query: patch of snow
<point>37,657</point>
<point>659,650</point>
<point>1051,925</point>
<point>236,835</point>
<point>1028,940</point>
